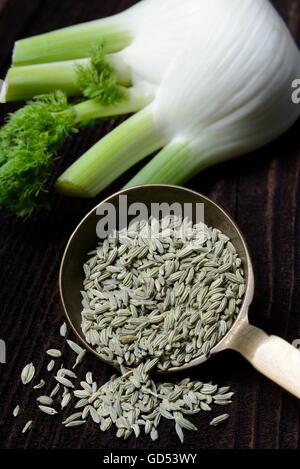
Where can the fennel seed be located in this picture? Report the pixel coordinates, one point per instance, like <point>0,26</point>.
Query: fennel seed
<point>27,426</point>
<point>28,373</point>
<point>50,365</point>
<point>65,372</point>
<point>64,381</point>
<point>79,358</point>
<point>45,400</point>
<point>76,348</point>
<point>72,418</point>
<point>63,330</point>
<point>150,304</point>
<point>16,411</point>
<point>47,410</point>
<point>217,420</point>
<point>39,385</point>
<point>65,400</point>
<point>75,423</point>
<point>163,298</point>
<point>55,390</point>
<point>54,353</point>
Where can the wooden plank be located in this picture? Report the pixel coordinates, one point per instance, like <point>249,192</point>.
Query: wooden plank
<point>260,190</point>
<point>2,3</point>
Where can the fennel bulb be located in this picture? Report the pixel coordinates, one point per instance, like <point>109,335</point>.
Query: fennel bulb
<point>209,81</point>
<point>221,73</point>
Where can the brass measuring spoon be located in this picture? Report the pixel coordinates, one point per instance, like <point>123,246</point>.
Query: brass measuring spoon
<point>272,356</point>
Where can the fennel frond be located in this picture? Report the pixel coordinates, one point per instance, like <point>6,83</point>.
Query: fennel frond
<point>98,79</point>
<point>27,144</point>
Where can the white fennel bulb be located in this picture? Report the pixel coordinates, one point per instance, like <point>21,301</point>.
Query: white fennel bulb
<point>218,74</point>
<point>228,94</point>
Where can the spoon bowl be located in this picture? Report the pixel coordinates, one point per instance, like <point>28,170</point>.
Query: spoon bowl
<point>271,355</point>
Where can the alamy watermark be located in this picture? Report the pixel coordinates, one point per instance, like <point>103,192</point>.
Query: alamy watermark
<point>124,217</point>
<point>2,351</point>
<point>296,343</point>
<point>296,92</point>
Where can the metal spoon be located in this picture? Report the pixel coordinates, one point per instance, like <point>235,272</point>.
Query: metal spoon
<point>272,356</point>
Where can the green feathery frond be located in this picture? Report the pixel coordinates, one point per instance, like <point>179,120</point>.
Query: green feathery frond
<point>98,80</point>
<point>27,143</point>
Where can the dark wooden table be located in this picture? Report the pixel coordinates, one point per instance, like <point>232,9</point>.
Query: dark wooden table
<point>261,191</point>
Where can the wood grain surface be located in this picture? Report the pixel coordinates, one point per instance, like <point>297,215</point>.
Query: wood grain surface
<point>260,190</point>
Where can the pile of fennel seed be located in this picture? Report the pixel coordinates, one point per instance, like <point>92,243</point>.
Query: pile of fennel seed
<point>148,303</point>
<point>130,403</point>
<point>161,290</point>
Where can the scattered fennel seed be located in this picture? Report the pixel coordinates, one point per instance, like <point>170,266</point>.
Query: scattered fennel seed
<point>79,358</point>
<point>39,385</point>
<point>134,402</point>
<point>179,432</point>
<point>217,420</point>
<point>94,414</point>
<point>50,365</point>
<point>28,373</point>
<point>45,400</point>
<point>63,330</point>
<point>27,426</point>
<point>72,418</point>
<point>65,400</point>
<point>64,381</point>
<point>16,411</point>
<point>150,303</point>
<point>75,423</point>
<point>65,372</point>
<point>75,347</point>
<point>55,390</point>
<point>47,410</point>
<point>54,353</point>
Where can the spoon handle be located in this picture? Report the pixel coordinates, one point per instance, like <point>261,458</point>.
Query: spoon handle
<point>271,356</point>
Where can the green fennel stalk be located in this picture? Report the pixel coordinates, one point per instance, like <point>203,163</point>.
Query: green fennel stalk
<point>175,162</point>
<point>25,82</point>
<point>214,79</point>
<point>125,146</point>
<point>96,76</point>
<point>72,42</point>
